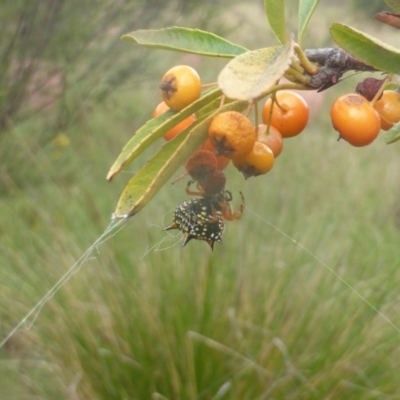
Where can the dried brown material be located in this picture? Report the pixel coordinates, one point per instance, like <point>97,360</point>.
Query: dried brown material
<point>201,164</point>
<point>333,63</point>
<point>214,183</point>
<point>369,87</point>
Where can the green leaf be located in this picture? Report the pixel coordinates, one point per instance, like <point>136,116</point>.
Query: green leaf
<point>391,86</point>
<point>253,74</point>
<point>155,173</point>
<point>306,10</point>
<point>275,10</point>
<point>393,135</point>
<point>155,128</point>
<point>186,40</point>
<point>143,186</point>
<point>366,48</point>
<point>394,5</point>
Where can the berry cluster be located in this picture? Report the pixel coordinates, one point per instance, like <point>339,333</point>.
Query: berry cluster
<point>253,148</point>
<point>359,117</point>
<point>232,136</point>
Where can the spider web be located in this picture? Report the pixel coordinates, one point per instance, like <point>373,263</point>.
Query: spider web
<point>164,244</point>
<point>29,319</point>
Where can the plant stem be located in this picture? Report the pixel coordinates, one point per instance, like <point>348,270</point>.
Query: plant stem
<point>311,68</point>
<point>293,75</point>
<point>255,103</point>
<point>207,85</point>
<point>380,91</point>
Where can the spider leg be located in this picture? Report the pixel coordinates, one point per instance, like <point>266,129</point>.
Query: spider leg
<point>214,215</point>
<point>239,212</point>
<point>190,192</point>
<point>228,195</point>
<point>227,210</point>
<point>179,177</point>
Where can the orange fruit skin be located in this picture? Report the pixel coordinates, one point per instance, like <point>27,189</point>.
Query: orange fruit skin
<point>222,161</point>
<point>273,140</point>
<point>180,86</point>
<point>258,162</point>
<point>232,134</point>
<point>355,119</point>
<point>160,109</point>
<point>177,129</point>
<point>291,117</point>
<point>388,107</point>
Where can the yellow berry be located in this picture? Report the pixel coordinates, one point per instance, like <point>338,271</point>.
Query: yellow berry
<point>180,86</point>
<point>259,161</point>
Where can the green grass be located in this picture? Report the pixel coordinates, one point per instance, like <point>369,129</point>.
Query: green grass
<point>259,318</point>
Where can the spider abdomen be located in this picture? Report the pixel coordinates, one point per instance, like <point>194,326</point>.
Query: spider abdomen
<point>199,219</point>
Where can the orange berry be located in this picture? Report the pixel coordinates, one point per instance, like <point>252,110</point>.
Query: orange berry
<point>289,114</point>
<point>180,86</point>
<point>388,107</point>
<point>259,161</point>
<point>273,140</point>
<point>177,129</point>
<point>232,134</point>
<point>222,161</point>
<point>160,109</point>
<point>355,119</point>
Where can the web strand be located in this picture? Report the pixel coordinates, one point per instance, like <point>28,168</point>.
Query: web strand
<point>113,227</point>
<point>333,272</point>
<point>35,311</point>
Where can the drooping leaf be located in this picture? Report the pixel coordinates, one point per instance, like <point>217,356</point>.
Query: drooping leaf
<point>186,40</point>
<point>366,48</point>
<point>162,165</point>
<point>306,10</point>
<point>393,135</point>
<point>275,11</point>
<point>155,128</point>
<point>143,186</point>
<point>253,74</point>
<point>394,5</point>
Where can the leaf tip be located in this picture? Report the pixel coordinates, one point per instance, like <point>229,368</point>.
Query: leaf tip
<point>125,37</point>
<point>116,216</point>
<point>110,175</point>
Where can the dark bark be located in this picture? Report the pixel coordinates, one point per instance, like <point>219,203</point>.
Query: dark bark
<point>333,63</point>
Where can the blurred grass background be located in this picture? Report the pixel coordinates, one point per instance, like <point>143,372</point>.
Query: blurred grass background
<point>260,317</point>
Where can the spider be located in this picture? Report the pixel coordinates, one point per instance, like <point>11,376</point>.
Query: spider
<point>203,218</point>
